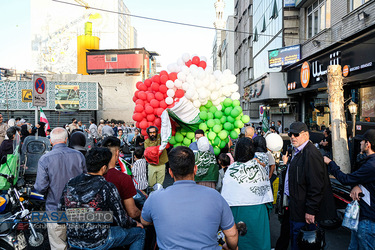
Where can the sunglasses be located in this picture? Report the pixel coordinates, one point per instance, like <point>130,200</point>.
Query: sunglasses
<point>295,134</point>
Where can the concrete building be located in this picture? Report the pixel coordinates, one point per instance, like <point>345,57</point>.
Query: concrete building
<point>227,47</point>
<point>55,27</point>
<point>219,24</point>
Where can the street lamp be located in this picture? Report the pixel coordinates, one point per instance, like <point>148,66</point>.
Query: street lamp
<point>267,108</point>
<point>353,108</point>
<point>282,106</point>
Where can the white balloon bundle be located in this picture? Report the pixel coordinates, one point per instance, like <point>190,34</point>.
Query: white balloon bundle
<point>201,83</point>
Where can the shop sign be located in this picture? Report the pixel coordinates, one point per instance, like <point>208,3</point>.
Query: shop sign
<point>345,70</point>
<point>256,91</point>
<point>305,74</point>
<point>284,56</point>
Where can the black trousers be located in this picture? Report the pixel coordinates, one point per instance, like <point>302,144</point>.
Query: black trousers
<point>284,238</point>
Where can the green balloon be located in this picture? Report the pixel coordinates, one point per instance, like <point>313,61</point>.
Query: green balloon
<point>210,123</point>
<point>238,117</point>
<point>236,103</point>
<point>226,140</point>
<point>234,113</point>
<point>213,109</point>
<point>203,108</point>
<point>223,119</point>
<point>245,119</point>
<point>217,121</point>
<point>190,135</point>
<point>227,102</point>
<point>230,119</point>
<point>218,114</point>
<point>217,128</point>
<point>177,144</point>
<point>222,144</point>
<point>216,150</point>
<point>239,109</point>
<point>210,116</point>
<point>227,111</point>
<point>228,126</point>
<point>203,115</point>
<point>183,133</point>
<point>203,126</point>
<point>238,124</point>
<point>178,137</point>
<point>211,136</point>
<point>186,141</point>
<point>238,131</point>
<point>208,104</point>
<point>216,142</point>
<point>233,135</point>
<point>223,134</point>
<point>172,140</point>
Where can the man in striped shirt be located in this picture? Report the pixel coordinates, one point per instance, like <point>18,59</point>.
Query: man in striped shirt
<point>139,170</point>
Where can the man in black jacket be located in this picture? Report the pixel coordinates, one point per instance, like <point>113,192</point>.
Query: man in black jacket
<point>306,183</point>
<point>364,237</point>
<point>6,146</point>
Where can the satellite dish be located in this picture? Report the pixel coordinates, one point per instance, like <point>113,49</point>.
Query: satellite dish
<point>274,142</point>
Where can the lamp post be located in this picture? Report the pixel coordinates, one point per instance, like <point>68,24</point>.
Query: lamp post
<point>282,106</point>
<point>353,108</point>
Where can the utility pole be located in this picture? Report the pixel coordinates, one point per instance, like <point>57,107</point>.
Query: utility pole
<point>340,149</point>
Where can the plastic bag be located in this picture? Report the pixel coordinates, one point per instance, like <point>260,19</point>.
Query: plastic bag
<point>351,217</point>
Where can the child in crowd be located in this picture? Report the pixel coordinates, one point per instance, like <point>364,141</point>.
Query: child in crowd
<point>224,161</point>
<point>139,170</point>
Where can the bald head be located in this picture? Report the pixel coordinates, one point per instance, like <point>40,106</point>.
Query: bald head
<point>59,135</point>
<point>249,132</point>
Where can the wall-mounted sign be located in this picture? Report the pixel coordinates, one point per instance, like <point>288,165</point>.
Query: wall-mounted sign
<point>39,91</point>
<point>284,56</point>
<point>289,3</point>
<point>345,70</point>
<point>305,74</point>
<point>67,97</point>
<point>27,95</point>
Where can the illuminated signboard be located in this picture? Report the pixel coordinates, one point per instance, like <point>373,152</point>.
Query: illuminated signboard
<point>284,56</point>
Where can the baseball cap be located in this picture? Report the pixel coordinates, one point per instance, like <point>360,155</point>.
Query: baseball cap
<point>369,135</point>
<point>298,127</point>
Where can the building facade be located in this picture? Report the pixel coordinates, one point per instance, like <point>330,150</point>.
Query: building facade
<point>227,47</point>
<point>219,25</point>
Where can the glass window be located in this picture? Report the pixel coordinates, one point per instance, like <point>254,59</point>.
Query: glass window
<point>322,17</point>
<point>356,3</point>
<point>111,58</point>
<point>367,104</point>
<point>318,17</point>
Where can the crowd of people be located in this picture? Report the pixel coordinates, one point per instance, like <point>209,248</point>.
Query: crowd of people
<point>209,193</point>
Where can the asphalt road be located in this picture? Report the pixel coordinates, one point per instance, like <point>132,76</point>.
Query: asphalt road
<point>337,239</point>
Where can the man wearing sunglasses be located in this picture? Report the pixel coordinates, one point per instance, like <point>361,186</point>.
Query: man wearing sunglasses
<point>307,183</point>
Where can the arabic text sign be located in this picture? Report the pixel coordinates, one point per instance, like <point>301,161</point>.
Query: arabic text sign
<point>67,97</point>
<point>284,56</point>
<point>39,91</point>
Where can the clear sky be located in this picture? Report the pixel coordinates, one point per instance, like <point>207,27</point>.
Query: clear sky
<point>169,40</point>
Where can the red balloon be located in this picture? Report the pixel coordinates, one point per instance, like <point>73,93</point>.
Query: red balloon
<point>151,118</point>
<point>149,110</point>
<point>139,108</point>
<point>163,89</point>
<point>142,95</point>
<point>163,105</point>
<point>142,87</point>
<point>157,122</point>
<point>163,73</point>
<point>159,111</point>
<point>179,93</point>
<point>163,79</point>
<point>195,60</point>
<point>137,124</point>
<point>149,89</point>
<point>137,117</point>
<point>150,96</point>
<point>134,99</point>
<point>136,93</point>
<point>148,82</point>
<point>154,103</point>
<point>203,64</point>
<point>173,76</point>
<point>144,132</point>
<point>137,84</point>
<point>144,114</point>
<point>155,86</point>
<point>140,101</point>
<point>188,63</point>
<point>143,125</point>
<point>156,78</point>
<point>150,124</point>
<point>159,96</point>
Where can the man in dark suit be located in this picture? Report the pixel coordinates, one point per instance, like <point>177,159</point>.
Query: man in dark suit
<point>306,183</point>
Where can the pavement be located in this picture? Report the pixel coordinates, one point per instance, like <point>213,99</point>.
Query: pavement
<point>336,239</point>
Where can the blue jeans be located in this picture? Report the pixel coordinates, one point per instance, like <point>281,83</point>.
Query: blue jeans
<point>364,238</point>
<point>119,236</point>
<point>294,230</point>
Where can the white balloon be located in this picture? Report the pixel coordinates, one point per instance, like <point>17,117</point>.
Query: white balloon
<point>189,94</point>
<point>181,76</point>
<point>203,58</point>
<point>169,100</point>
<point>194,72</point>
<point>178,83</point>
<point>233,87</point>
<point>211,86</point>
<point>215,102</point>
<point>232,78</point>
<point>204,102</point>
<point>219,107</point>
<point>218,74</point>
<point>193,66</point>
<point>214,95</point>
<point>205,83</point>
<point>198,83</point>
<point>274,142</point>
<point>195,96</point>
<point>170,93</point>
<point>186,57</point>
<point>185,69</point>
<point>227,72</point>
<point>235,96</point>
<point>169,84</point>
<point>185,86</point>
<point>196,103</point>
<point>175,88</point>
<point>209,70</point>
<point>180,61</point>
<point>203,93</point>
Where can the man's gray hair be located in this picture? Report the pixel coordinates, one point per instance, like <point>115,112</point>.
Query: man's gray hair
<point>58,135</point>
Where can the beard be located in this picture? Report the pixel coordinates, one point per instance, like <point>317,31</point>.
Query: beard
<point>152,137</point>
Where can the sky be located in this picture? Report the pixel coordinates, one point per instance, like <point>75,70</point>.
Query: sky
<point>169,40</point>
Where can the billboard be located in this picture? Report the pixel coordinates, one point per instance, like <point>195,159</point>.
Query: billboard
<point>289,3</point>
<point>66,97</point>
<point>284,56</point>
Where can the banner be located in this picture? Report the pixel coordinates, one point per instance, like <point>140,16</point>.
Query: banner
<point>66,97</point>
